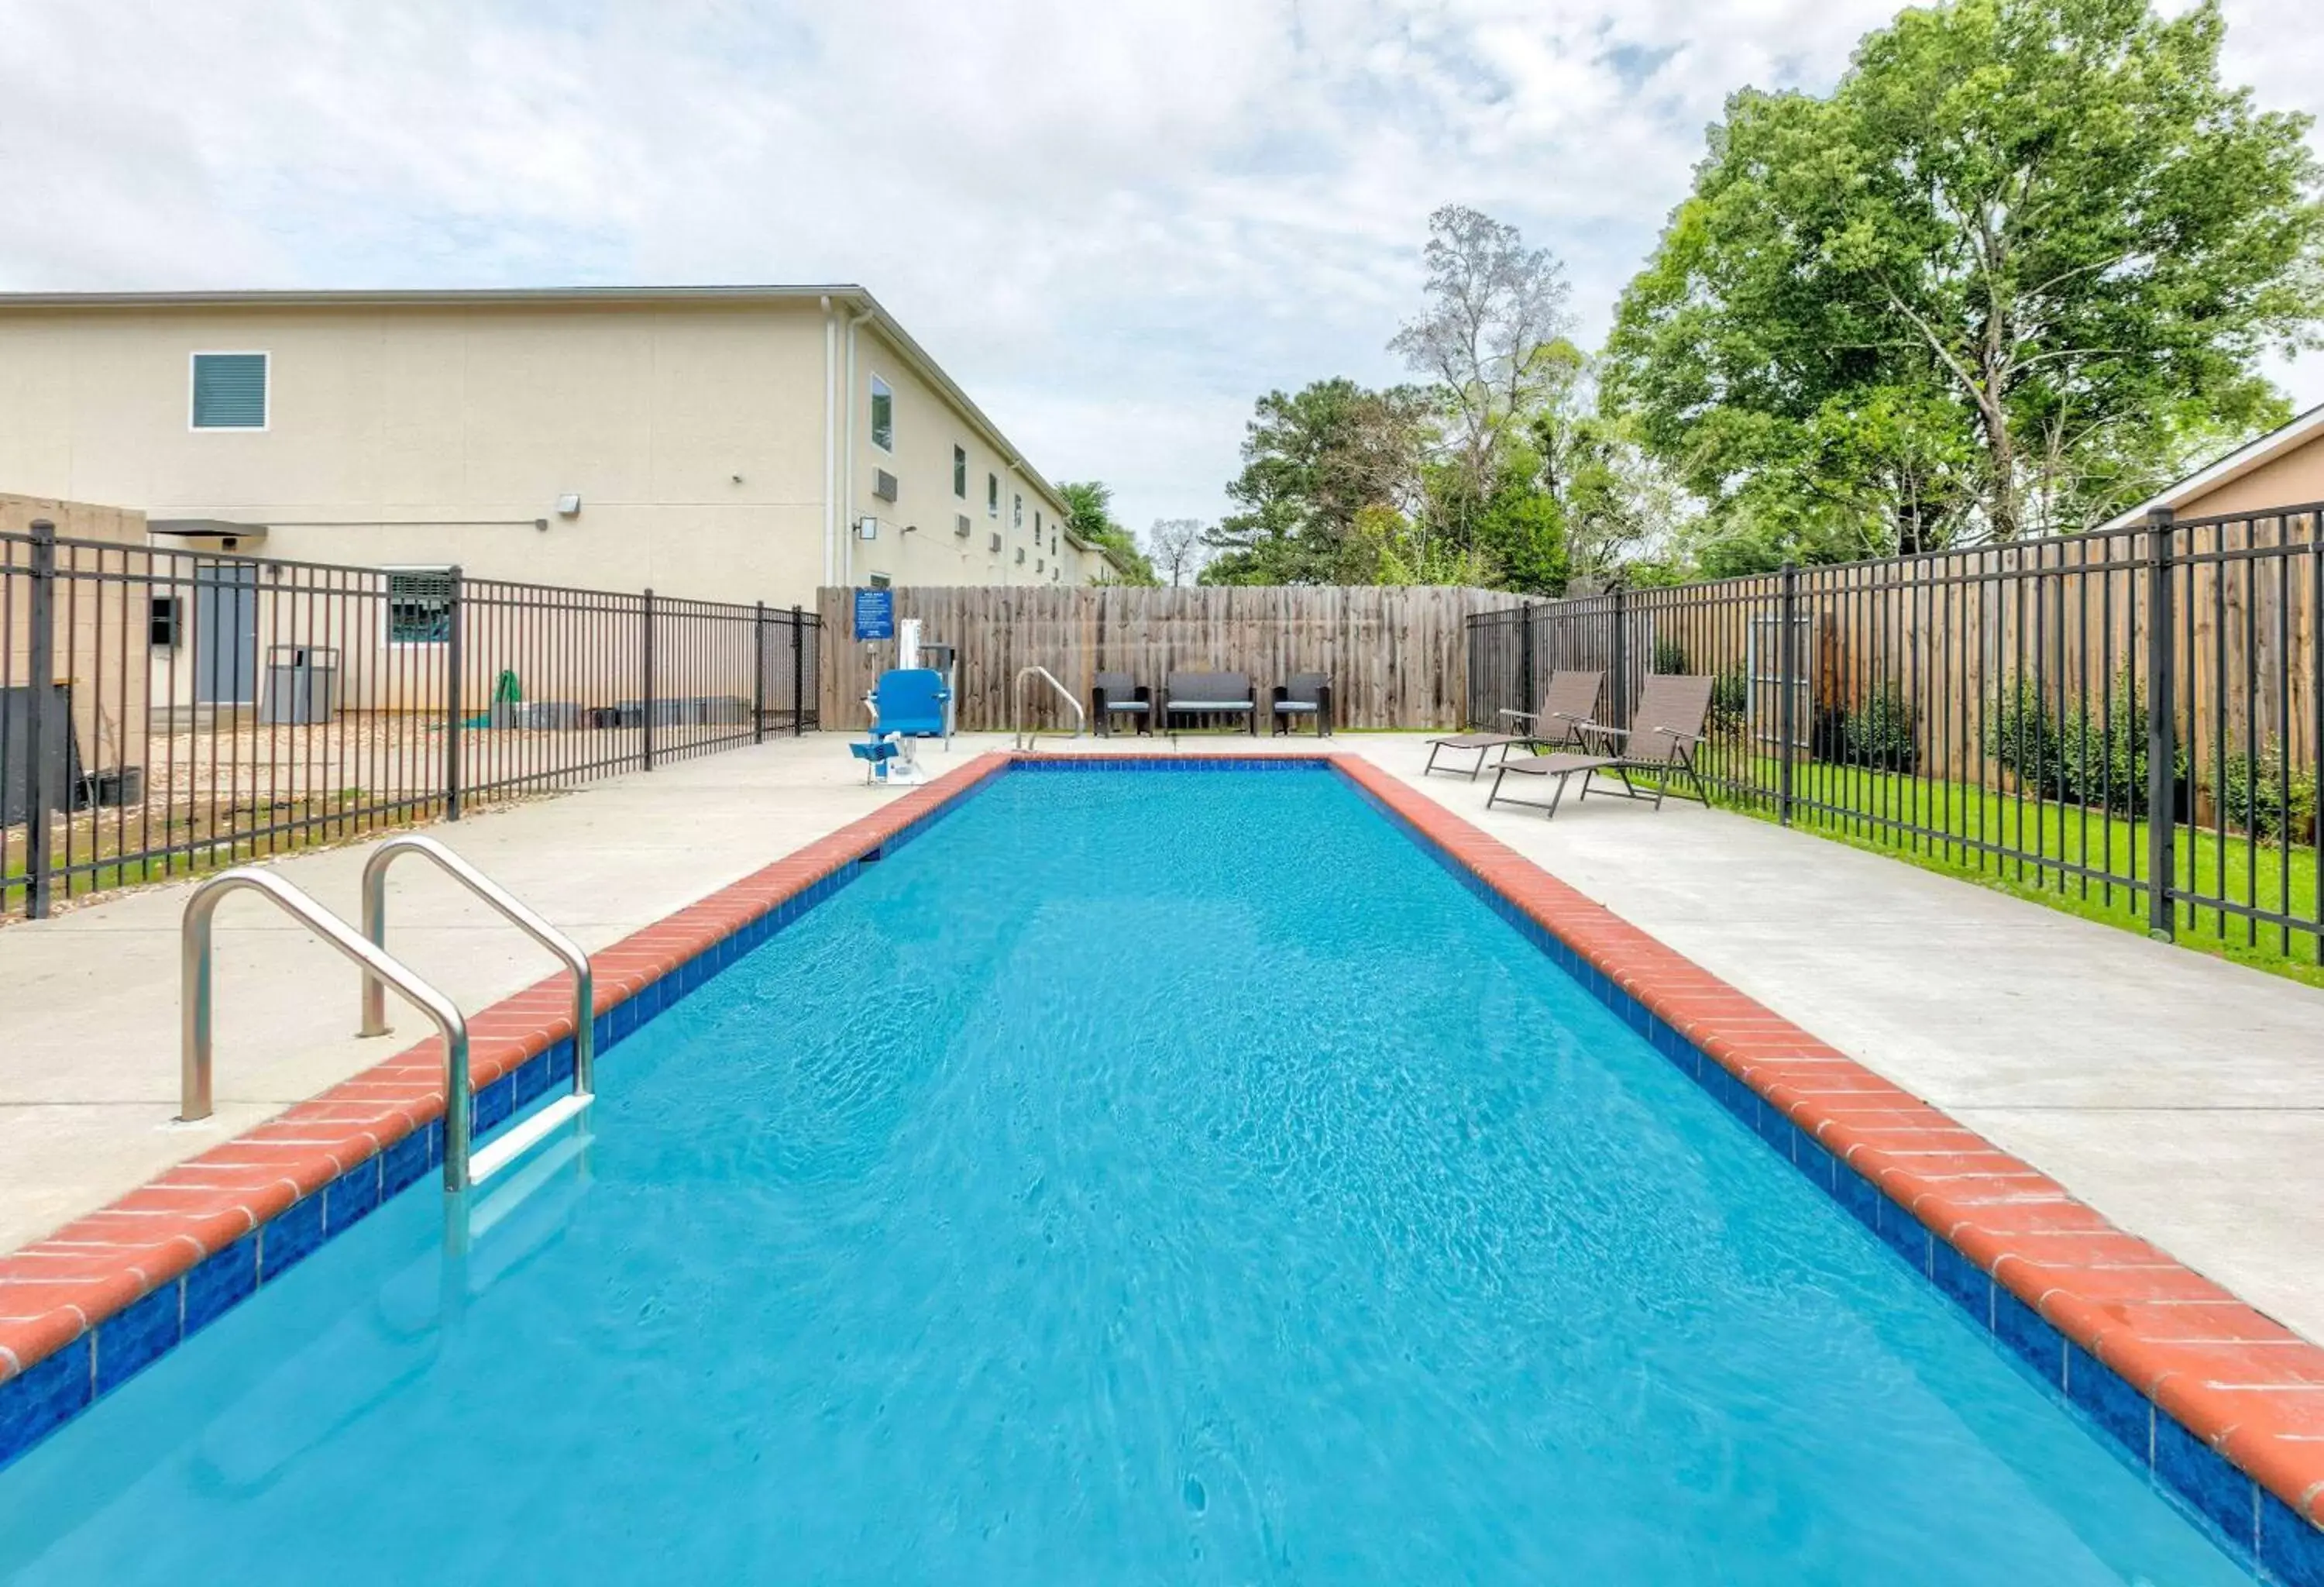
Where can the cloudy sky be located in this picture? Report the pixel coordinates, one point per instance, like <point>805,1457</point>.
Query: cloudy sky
<point>1115,223</point>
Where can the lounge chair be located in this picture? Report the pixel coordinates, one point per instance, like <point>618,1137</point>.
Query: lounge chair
<point>1659,741</point>
<point>1208,694</point>
<point>1308,695</point>
<point>907,703</point>
<point>1568,705</point>
<point>1114,692</point>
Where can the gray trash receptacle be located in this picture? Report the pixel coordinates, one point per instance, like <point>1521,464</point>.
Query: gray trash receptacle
<point>302,685</point>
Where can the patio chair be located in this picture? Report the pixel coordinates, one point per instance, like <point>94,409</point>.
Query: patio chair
<point>1115,692</point>
<point>1308,695</point>
<point>1567,707</point>
<point>1659,743</point>
<point>1208,694</point>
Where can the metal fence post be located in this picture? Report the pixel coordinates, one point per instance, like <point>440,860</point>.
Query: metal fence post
<point>646,686</point>
<point>1528,698</point>
<point>40,675</point>
<point>798,672</point>
<point>1621,656</point>
<point>1787,672</point>
<point>454,666</point>
<point>759,674</point>
<point>2161,732</point>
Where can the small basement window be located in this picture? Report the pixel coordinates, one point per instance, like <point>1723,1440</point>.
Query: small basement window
<point>883,415</point>
<point>229,391</point>
<point>418,605</point>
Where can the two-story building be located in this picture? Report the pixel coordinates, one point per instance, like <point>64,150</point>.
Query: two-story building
<point>747,443</point>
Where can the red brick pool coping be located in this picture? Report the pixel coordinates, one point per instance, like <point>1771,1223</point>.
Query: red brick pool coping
<point>2249,1388</point>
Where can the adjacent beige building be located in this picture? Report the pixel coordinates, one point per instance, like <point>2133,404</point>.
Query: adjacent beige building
<point>2283,468</point>
<point>745,443</point>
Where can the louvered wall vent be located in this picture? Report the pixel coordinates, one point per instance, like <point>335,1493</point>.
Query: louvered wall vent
<point>883,484</point>
<point>960,525</point>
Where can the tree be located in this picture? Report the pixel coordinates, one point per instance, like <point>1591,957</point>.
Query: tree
<point>1175,546</point>
<point>1313,461</point>
<point>1993,285</point>
<point>1089,517</point>
<point>1495,309</point>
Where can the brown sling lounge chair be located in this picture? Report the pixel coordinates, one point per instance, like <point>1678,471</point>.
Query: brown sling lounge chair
<point>1566,708</point>
<point>1660,742</point>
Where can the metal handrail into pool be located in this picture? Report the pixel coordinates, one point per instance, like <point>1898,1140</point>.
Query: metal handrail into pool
<point>1025,736</point>
<point>194,1000</point>
<point>507,1149</point>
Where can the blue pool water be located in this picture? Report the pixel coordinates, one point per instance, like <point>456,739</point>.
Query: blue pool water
<point>1139,1177</point>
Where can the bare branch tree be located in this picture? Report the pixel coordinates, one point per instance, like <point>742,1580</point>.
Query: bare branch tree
<point>1177,547</point>
<point>1494,306</point>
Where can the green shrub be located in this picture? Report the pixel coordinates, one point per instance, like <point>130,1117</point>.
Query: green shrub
<point>2082,753</point>
<point>2257,795</point>
<point>1669,657</point>
<point>1880,732</point>
<point>1731,700</point>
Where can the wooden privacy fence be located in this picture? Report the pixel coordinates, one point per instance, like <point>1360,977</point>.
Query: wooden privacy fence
<point>1396,657</point>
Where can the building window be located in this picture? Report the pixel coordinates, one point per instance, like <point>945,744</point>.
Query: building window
<point>883,415</point>
<point>229,391</point>
<point>960,472</point>
<point>162,621</point>
<point>1016,511</point>
<point>992,495</point>
<point>418,605</point>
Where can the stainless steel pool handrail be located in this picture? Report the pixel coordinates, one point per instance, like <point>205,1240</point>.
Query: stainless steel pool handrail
<point>1023,737</point>
<point>194,943</point>
<point>511,907</point>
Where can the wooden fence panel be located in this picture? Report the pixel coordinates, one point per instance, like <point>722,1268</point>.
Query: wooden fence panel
<point>1399,658</point>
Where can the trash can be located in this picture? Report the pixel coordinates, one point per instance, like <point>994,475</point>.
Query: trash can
<point>302,685</point>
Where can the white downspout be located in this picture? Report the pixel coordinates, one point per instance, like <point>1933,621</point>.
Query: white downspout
<point>848,467</point>
<point>1008,547</point>
<point>830,445</point>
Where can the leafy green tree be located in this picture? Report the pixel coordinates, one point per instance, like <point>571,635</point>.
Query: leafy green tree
<point>1089,515</point>
<point>1996,283</point>
<point>1313,461</point>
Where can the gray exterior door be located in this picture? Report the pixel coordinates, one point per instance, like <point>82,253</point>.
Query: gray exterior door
<point>225,634</point>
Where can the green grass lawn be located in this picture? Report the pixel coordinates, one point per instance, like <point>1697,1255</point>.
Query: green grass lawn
<point>1869,808</point>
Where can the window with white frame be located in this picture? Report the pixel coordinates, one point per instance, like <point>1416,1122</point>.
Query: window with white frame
<point>1017,512</point>
<point>883,415</point>
<point>228,391</point>
<point>418,605</point>
<point>992,495</point>
<point>960,472</point>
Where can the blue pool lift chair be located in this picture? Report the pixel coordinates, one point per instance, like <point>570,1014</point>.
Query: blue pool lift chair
<point>907,705</point>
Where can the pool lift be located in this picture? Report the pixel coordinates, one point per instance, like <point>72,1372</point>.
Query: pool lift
<point>909,702</point>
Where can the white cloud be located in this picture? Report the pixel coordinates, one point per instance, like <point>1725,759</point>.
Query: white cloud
<point>1116,224</point>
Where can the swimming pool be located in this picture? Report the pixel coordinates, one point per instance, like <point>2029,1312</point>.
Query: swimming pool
<point>1139,1177</point>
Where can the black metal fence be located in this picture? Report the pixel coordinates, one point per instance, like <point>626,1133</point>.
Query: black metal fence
<point>2131,718</point>
<point>165,712</point>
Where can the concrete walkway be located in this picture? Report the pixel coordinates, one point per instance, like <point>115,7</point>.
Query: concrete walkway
<point>2181,1095</point>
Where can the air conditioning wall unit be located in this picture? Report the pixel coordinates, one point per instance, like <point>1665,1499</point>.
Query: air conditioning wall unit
<point>1020,554</point>
<point>960,525</point>
<point>996,543</point>
<point>883,484</point>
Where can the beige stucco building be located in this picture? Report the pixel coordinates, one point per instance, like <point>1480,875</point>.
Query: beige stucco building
<point>714,442</point>
<point>2283,468</point>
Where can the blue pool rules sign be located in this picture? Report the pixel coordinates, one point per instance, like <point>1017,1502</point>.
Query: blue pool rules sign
<point>875,613</point>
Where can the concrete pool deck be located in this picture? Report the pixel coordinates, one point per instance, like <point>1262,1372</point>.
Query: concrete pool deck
<point>2175,1093</point>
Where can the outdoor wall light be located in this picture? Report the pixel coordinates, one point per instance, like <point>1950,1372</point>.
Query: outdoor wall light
<point>569,505</point>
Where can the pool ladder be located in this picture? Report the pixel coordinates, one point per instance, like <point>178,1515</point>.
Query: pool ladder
<point>1026,733</point>
<point>462,1167</point>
